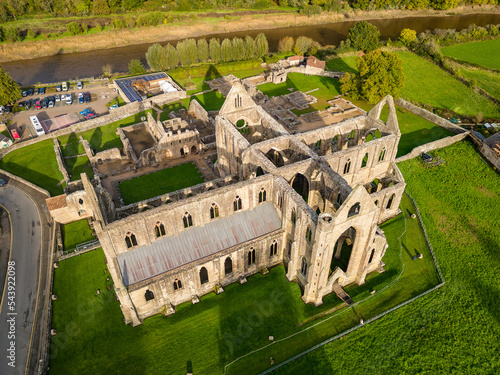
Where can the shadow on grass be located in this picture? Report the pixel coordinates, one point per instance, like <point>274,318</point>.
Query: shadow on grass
<point>44,181</point>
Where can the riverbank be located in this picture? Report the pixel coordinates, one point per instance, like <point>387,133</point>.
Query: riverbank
<point>207,26</point>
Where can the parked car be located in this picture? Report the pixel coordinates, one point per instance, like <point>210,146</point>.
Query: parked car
<point>20,104</point>
<point>52,99</point>
<point>86,95</point>
<point>80,98</point>
<point>3,182</point>
<point>30,92</point>
<point>69,99</point>
<point>114,106</point>
<point>58,98</point>
<point>51,103</point>
<point>80,85</point>
<point>65,86</point>
<point>45,103</point>
<point>36,90</point>
<point>7,109</point>
<point>58,88</point>
<point>14,133</point>
<point>24,93</point>
<point>38,104</point>
<point>63,97</point>
<point>42,90</point>
<point>27,105</point>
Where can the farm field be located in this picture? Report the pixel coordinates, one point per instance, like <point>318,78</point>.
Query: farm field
<point>205,337</point>
<point>485,53</point>
<point>76,233</point>
<point>428,84</point>
<point>161,182</point>
<point>454,329</point>
<point>37,164</point>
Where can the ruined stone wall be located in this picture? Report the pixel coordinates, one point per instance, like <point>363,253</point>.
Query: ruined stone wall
<point>429,116</point>
<point>486,151</point>
<point>197,110</point>
<point>440,143</point>
<point>60,163</point>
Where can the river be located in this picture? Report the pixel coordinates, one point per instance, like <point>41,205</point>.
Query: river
<point>87,64</point>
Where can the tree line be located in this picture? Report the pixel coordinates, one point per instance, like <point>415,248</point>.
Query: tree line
<point>190,51</point>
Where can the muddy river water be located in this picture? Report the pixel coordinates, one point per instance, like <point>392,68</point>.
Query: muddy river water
<point>87,64</point>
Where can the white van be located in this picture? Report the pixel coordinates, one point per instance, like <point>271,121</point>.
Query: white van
<point>65,86</point>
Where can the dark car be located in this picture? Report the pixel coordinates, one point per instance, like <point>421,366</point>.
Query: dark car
<point>36,90</point>
<point>86,96</point>
<point>3,182</point>
<point>58,88</point>
<point>30,92</point>
<point>42,90</point>
<point>8,109</point>
<point>52,100</point>
<point>24,93</point>
<point>45,103</point>
<point>27,105</point>
<point>20,104</point>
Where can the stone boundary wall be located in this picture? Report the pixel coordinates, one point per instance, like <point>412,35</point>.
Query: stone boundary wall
<point>60,162</point>
<point>115,115</point>
<point>200,112</point>
<point>315,73</point>
<point>440,143</point>
<point>23,181</point>
<point>429,116</point>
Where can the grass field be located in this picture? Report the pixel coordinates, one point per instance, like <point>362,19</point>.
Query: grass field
<point>78,165</point>
<point>486,80</point>
<point>76,233</point>
<point>456,328</point>
<point>328,89</point>
<point>211,101</point>
<point>426,83</point>
<point>203,338</point>
<point>484,53</point>
<point>38,165</point>
<point>161,182</point>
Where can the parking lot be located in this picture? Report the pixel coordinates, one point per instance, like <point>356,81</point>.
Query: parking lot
<point>100,97</point>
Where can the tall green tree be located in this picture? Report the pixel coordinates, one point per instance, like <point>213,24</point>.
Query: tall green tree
<point>364,36</point>
<point>182,50</point>
<point>262,45</point>
<point>286,44</point>
<point>202,46</point>
<point>250,48</point>
<point>135,67</point>
<point>192,50</point>
<point>9,89</point>
<point>214,48</point>
<point>100,7</point>
<point>172,56</point>
<point>302,45</point>
<point>239,52</point>
<point>379,73</point>
<point>226,50</point>
<point>156,57</point>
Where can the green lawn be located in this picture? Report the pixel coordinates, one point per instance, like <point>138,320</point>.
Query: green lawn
<point>203,338</point>
<point>485,53</point>
<point>328,89</point>
<point>76,233</point>
<point>78,165</point>
<point>211,101</point>
<point>36,163</point>
<point>456,328</point>
<point>486,80</point>
<point>426,83</point>
<point>161,182</point>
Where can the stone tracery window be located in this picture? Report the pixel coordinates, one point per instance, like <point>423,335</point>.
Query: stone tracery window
<point>237,203</point>
<point>371,256</point>
<point>159,229</point>
<point>203,275</point>
<point>303,268</point>
<point>294,216</point>
<point>130,240</point>
<point>187,219</point>
<point>382,155</point>
<point>214,211</point>
<point>251,256</point>
<point>308,234</point>
<point>274,248</point>
<point>347,166</point>
<point>389,203</point>
<point>177,284</point>
<point>364,162</point>
<point>262,195</point>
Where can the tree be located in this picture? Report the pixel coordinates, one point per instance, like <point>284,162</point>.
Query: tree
<point>182,50</point>
<point>192,50</point>
<point>100,7</point>
<point>250,47</point>
<point>261,45</point>
<point>379,73</point>
<point>364,36</point>
<point>74,28</point>
<point>302,45</point>
<point>9,89</point>
<point>202,50</point>
<point>214,48</point>
<point>407,36</point>
<point>135,67</point>
<point>239,52</point>
<point>226,50</point>
<point>156,57</point>
<point>106,70</point>
<point>172,56</point>
<point>285,44</point>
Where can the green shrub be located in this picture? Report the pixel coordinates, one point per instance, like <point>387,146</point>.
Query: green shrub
<point>74,28</point>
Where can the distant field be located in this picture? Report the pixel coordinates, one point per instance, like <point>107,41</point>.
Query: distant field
<point>485,53</point>
<point>36,163</point>
<point>486,80</point>
<point>161,182</point>
<point>456,328</point>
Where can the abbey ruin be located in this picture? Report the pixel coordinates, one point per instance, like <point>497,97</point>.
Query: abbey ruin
<point>309,197</point>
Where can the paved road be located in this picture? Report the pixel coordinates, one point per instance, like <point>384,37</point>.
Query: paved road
<point>26,245</point>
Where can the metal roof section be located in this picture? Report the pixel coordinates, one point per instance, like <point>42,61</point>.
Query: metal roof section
<point>196,243</point>
<point>125,84</point>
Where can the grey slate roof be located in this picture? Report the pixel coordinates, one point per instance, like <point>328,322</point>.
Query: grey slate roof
<point>168,253</point>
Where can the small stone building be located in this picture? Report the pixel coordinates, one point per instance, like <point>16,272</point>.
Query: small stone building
<point>311,201</point>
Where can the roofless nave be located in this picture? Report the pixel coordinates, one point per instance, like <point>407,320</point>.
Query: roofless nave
<point>310,199</point>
